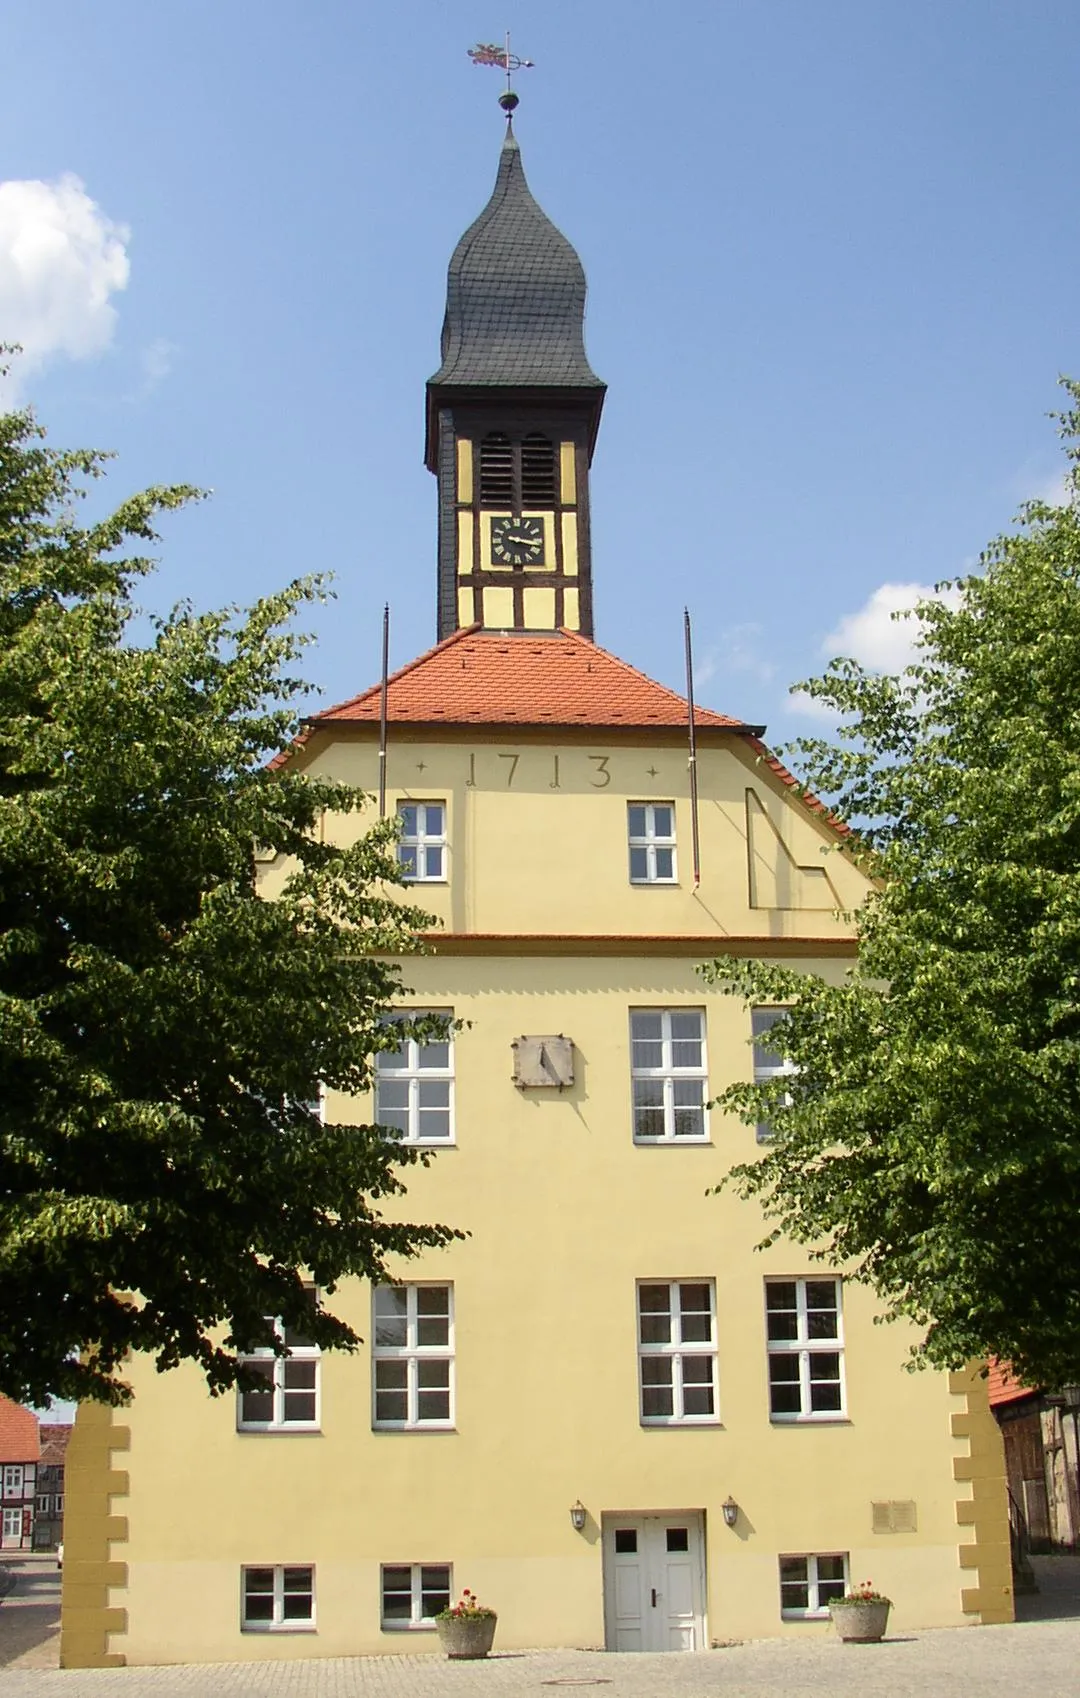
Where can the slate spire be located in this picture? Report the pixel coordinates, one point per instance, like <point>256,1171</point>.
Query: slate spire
<point>515,297</point>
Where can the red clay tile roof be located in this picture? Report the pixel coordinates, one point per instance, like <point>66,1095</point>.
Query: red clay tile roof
<point>54,1436</point>
<point>479,677</point>
<point>1001,1385</point>
<point>18,1433</point>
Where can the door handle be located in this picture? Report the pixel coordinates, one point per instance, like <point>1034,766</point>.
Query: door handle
<point>654,1597</point>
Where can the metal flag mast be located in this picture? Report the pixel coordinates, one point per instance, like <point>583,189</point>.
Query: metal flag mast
<point>382,709</point>
<point>694,833</point>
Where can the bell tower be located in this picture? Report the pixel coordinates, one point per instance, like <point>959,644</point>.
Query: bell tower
<point>512,417</point>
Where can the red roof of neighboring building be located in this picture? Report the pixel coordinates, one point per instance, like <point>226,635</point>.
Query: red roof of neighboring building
<point>476,677</point>
<point>18,1432</point>
<point>54,1436</point>
<point>1001,1385</point>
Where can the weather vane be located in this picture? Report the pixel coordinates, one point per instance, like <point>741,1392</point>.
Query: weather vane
<point>487,53</point>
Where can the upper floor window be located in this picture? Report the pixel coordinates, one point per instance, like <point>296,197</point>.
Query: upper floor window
<point>806,1381</point>
<point>422,845</point>
<point>652,842</point>
<point>677,1351</point>
<point>277,1599</point>
<point>13,1479</point>
<point>668,1074</point>
<point>413,1356</point>
<point>287,1397</point>
<point>768,1064</point>
<point>414,1089</point>
<point>517,474</point>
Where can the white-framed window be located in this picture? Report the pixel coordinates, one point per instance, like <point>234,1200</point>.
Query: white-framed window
<point>677,1351</point>
<point>422,845</point>
<point>809,1584</point>
<point>278,1599</point>
<point>668,1075</point>
<point>414,1087</point>
<point>287,1398</point>
<point>13,1479</point>
<point>413,1593</point>
<point>767,1064</point>
<point>806,1349</point>
<point>413,1356</point>
<point>651,833</point>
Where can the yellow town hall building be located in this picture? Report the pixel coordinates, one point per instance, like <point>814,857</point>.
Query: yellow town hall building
<point>603,1411</point>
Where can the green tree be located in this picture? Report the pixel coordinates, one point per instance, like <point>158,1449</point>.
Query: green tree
<point>165,1181</point>
<point>929,1136</point>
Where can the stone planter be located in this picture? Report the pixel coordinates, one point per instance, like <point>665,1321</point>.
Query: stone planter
<point>467,1636</point>
<point>860,1624</point>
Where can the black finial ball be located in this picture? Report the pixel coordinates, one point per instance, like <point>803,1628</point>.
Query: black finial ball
<point>508,101</point>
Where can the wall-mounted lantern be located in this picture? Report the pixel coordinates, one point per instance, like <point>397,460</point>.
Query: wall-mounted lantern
<point>730,1511</point>
<point>578,1512</point>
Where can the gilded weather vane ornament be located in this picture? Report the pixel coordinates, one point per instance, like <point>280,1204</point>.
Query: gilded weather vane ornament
<point>487,53</point>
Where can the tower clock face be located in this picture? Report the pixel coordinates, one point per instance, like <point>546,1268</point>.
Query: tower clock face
<point>517,542</point>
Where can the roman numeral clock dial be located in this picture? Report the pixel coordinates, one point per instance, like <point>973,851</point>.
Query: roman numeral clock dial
<point>517,542</point>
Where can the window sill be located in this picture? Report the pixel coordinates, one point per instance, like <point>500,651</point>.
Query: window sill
<point>673,1143</point>
<point>654,884</point>
<point>425,881</point>
<point>810,1421</point>
<point>408,1627</point>
<point>805,1615</point>
<point>291,1432</point>
<point>278,1627</point>
<point>665,1424</point>
<point>385,1427</point>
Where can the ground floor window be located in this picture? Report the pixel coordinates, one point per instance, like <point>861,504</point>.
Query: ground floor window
<point>279,1598</point>
<point>13,1524</point>
<point>809,1584</point>
<point>413,1593</point>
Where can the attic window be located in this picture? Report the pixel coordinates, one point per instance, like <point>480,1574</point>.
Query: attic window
<point>517,475</point>
<point>497,470</point>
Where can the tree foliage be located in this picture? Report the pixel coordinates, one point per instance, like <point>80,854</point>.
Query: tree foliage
<point>930,1135</point>
<point>165,1181</point>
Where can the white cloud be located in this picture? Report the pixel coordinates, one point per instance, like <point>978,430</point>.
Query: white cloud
<point>874,637</point>
<point>155,364</point>
<point>1056,491</point>
<point>61,260</point>
<point>736,652</point>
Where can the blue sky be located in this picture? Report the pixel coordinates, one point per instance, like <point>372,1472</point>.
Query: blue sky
<point>832,248</point>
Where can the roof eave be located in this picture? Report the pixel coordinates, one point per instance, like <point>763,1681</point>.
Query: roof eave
<point>588,397</point>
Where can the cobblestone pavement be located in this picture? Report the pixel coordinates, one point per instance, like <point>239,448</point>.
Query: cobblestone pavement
<point>30,1615</point>
<point>1025,1660</point>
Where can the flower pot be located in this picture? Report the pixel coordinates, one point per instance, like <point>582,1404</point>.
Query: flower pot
<point>467,1636</point>
<point>860,1624</point>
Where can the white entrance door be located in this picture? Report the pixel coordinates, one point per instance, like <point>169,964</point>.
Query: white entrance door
<point>654,1582</point>
<point>12,1527</point>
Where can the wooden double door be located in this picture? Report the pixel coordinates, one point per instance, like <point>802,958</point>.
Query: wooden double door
<point>654,1582</point>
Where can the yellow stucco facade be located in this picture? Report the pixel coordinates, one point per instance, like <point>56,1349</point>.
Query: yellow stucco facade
<point>542,932</point>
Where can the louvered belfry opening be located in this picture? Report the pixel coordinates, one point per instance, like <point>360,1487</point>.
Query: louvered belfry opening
<point>537,471</point>
<point>517,475</point>
<point>497,470</point>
